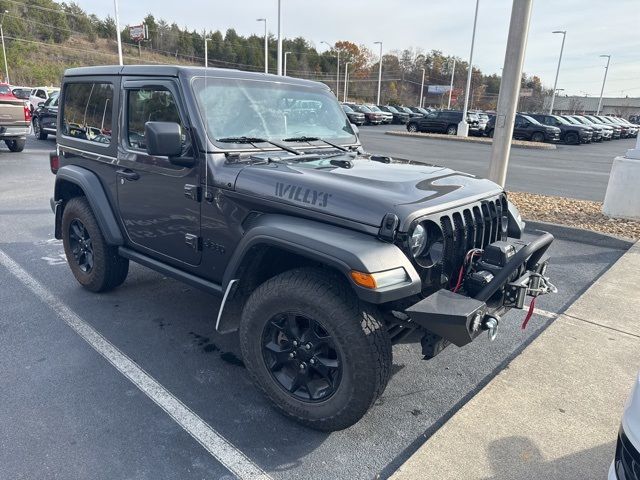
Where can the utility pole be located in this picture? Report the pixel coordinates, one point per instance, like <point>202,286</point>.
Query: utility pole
<point>606,70</point>
<point>266,45</point>
<point>284,71</point>
<point>206,50</point>
<point>555,84</point>
<point>463,126</point>
<point>346,79</point>
<point>4,52</point>
<point>118,35</point>
<point>421,89</point>
<point>509,90</point>
<point>279,37</point>
<point>453,71</point>
<point>379,72</point>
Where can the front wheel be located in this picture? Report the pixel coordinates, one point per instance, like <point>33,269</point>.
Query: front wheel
<point>490,133</point>
<point>452,130</point>
<point>16,145</point>
<point>319,354</point>
<point>37,130</point>
<point>537,137</point>
<point>412,127</point>
<point>572,138</point>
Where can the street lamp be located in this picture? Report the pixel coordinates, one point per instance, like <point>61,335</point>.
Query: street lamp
<point>266,45</point>
<point>206,50</point>
<point>606,70</point>
<point>453,71</point>
<point>284,70</point>
<point>4,52</point>
<point>338,69</point>
<point>346,80</point>
<point>279,38</point>
<point>555,84</point>
<point>119,37</point>
<point>421,88</point>
<point>379,72</point>
<point>463,126</point>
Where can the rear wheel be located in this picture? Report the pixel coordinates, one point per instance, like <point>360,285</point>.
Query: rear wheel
<point>16,145</point>
<point>537,137</point>
<point>412,127</point>
<point>572,138</point>
<point>319,354</point>
<point>37,129</point>
<point>452,130</point>
<point>95,264</point>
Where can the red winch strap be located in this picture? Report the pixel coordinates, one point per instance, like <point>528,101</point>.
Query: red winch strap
<point>529,313</point>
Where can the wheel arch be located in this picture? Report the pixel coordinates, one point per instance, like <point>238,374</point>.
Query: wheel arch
<point>73,181</point>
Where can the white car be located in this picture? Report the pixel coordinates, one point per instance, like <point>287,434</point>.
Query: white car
<point>626,465</point>
<point>40,95</point>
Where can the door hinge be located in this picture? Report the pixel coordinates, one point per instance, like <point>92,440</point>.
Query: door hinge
<point>193,241</point>
<point>192,192</point>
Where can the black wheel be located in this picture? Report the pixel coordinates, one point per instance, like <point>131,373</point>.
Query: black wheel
<point>37,130</point>
<point>16,145</point>
<point>412,127</point>
<point>96,265</point>
<point>572,138</point>
<point>537,137</point>
<point>319,354</point>
<point>452,130</point>
<point>490,133</point>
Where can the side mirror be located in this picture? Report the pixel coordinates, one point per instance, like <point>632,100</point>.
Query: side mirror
<point>355,129</point>
<point>164,139</point>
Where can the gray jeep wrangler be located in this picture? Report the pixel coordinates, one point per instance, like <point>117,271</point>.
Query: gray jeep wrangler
<point>255,187</point>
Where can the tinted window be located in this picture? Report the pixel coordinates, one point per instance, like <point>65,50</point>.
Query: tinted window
<point>149,105</point>
<point>87,111</point>
<point>41,94</point>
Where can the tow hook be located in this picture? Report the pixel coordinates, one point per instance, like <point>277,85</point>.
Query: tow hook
<point>490,324</point>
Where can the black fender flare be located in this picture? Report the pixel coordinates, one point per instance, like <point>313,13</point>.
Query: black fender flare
<point>90,185</point>
<point>337,247</point>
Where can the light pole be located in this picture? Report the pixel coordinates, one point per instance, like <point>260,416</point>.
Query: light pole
<point>284,71</point>
<point>4,52</point>
<point>346,80</point>
<point>606,70</point>
<point>421,89</point>
<point>266,45</point>
<point>379,72</point>
<point>119,37</point>
<point>206,49</point>
<point>279,37</point>
<point>338,70</point>
<point>463,126</point>
<point>453,71</point>
<point>555,84</point>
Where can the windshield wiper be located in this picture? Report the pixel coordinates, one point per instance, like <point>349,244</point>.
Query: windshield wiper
<point>253,140</point>
<point>315,139</point>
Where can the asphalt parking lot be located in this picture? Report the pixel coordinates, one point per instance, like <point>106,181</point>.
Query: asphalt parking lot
<point>68,413</point>
<point>576,171</point>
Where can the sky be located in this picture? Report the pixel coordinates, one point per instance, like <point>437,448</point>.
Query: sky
<point>594,27</point>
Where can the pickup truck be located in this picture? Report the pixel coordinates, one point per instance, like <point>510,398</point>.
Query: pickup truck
<point>256,188</point>
<point>15,122</point>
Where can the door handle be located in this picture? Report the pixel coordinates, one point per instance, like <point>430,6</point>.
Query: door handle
<point>128,174</point>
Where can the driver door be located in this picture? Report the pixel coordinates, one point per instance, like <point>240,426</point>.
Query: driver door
<point>159,201</point>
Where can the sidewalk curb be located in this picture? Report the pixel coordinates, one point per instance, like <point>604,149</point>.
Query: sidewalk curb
<point>482,140</point>
<point>573,234</point>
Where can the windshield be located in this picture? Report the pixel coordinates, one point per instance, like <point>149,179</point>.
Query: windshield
<point>575,120</point>
<point>233,108</point>
<point>392,110</point>
<point>347,109</point>
<point>561,120</point>
<point>531,119</point>
<point>362,108</point>
<point>373,108</point>
<point>4,89</point>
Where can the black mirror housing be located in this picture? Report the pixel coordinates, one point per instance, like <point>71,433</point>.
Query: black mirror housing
<point>164,139</point>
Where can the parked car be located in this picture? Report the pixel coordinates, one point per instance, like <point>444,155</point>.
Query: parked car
<point>626,463</point>
<point>569,132</point>
<point>412,115</point>
<point>617,129</point>
<point>442,121</point>
<point>39,95</point>
<point>357,118</point>
<point>625,130</point>
<point>527,128</point>
<point>15,120</point>
<point>632,130</point>
<point>323,255</point>
<point>400,118</point>
<point>420,110</point>
<point>601,132</point>
<point>387,116</point>
<point>483,119</point>
<point>45,118</point>
<point>370,117</point>
<point>21,92</point>
<point>5,91</point>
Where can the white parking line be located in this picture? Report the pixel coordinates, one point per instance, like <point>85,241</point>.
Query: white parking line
<point>220,448</point>
<point>542,313</point>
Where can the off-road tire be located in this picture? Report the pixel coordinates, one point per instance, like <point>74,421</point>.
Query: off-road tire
<point>412,127</point>
<point>537,137</point>
<point>360,337</point>
<point>16,145</point>
<point>37,130</point>
<point>109,269</point>
<point>452,130</point>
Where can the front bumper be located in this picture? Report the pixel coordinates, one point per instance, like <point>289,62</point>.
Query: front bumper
<point>626,465</point>
<point>459,319</point>
<point>552,137</point>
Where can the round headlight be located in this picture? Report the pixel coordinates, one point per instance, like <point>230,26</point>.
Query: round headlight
<point>418,240</point>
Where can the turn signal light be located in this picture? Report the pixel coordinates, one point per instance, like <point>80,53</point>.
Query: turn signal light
<point>54,162</point>
<point>383,279</point>
<point>365,280</point>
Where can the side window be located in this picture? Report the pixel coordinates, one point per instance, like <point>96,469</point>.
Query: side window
<point>519,122</point>
<point>41,94</point>
<point>153,104</point>
<point>87,111</point>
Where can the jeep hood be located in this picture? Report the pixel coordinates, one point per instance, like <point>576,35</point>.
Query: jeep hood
<point>366,192</point>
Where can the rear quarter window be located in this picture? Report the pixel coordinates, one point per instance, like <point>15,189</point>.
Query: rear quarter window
<point>87,111</point>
